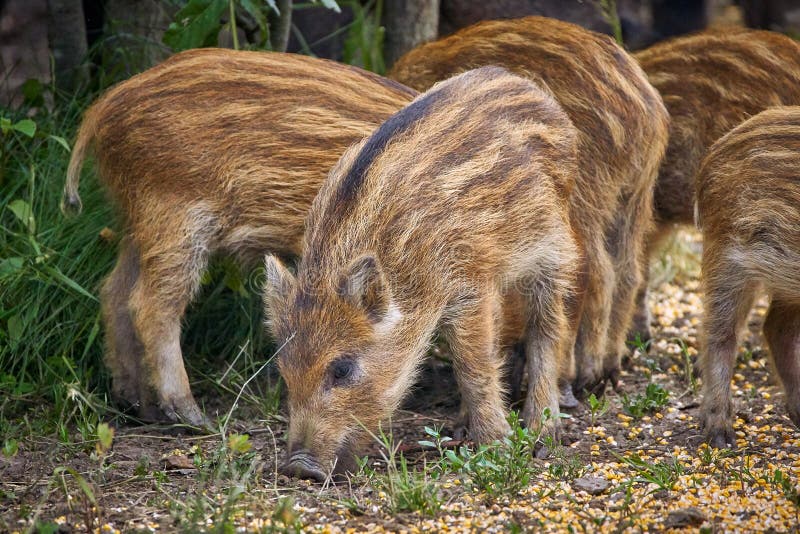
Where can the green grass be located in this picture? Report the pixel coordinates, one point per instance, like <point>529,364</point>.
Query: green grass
<point>608,9</point>
<point>51,268</point>
<point>403,486</point>
<point>689,376</point>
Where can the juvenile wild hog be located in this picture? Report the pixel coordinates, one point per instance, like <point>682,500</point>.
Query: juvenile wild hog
<point>622,133</point>
<point>453,201</point>
<point>211,151</point>
<point>710,82</point>
<point>748,201</point>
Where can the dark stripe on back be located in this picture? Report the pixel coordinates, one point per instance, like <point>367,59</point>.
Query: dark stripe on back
<point>399,123</point>
<point>395,125</point>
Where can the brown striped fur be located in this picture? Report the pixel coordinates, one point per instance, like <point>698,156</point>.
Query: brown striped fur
<point>456,200</point>
<point>710,82</point>
<point>748,200</point>
<point>622,127</point>
<point>212,150</point>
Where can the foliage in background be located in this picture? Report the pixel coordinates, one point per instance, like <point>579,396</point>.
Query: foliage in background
<point>199,23</point>
<point>608,8</point>
<point>364,44</point>
<point>364,35</point>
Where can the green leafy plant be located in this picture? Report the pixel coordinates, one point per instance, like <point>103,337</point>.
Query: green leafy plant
<point>711,456</point>
<point>25,126</point>
<point>743,472</point>
<point>19,134</point>
<point>196,25</point>
<point>285,518</point>
<point>655,397</point>
<point>230,471</point>
<point>10,447</point>
<point>637,343</point>
<point>502,468</point>
<point>564,466</point>
<point>597,408</point>
<point>663,474</point>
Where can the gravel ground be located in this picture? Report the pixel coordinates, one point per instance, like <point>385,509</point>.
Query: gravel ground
<point>615,473</point>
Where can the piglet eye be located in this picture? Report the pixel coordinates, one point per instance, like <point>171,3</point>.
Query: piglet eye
<point>343,371</point>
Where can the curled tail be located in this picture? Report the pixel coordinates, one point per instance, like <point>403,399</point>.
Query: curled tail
<point>71,201</point>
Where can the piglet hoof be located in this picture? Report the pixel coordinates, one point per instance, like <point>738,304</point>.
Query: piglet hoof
<point>489,433</point>
<point>548,428</point>
<point>566,398</point>
<point>460,432</point>
<point>612,376</point>
<point>149,413</point>
<point>587,384</point>
<point>586,390</point>
<point>187,413</point>
<point>126,401</point>
<point>794,415</point>
<point>721,438</point>
<point>461,425</point>
<point>128,409</point>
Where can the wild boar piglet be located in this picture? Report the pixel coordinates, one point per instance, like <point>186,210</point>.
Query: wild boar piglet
<point>748,205</point>
<point>212,151</point>
<point>710,82</point>
<point>455,200</point>
<point>622,133</point>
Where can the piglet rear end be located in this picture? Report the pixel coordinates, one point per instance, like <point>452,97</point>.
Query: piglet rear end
<point>748,201</point>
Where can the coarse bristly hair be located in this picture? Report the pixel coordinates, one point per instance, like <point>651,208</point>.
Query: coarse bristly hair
<point>211,151</point>
<point>748,202</point>
<point>455,201</point>
<point>710,82</point>
<point>622,133</point>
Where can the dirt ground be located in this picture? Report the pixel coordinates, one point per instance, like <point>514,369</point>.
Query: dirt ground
<point>622,474</point>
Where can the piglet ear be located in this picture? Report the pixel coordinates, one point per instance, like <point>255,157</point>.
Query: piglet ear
<point>362,284</point>
<point>277,286</point>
